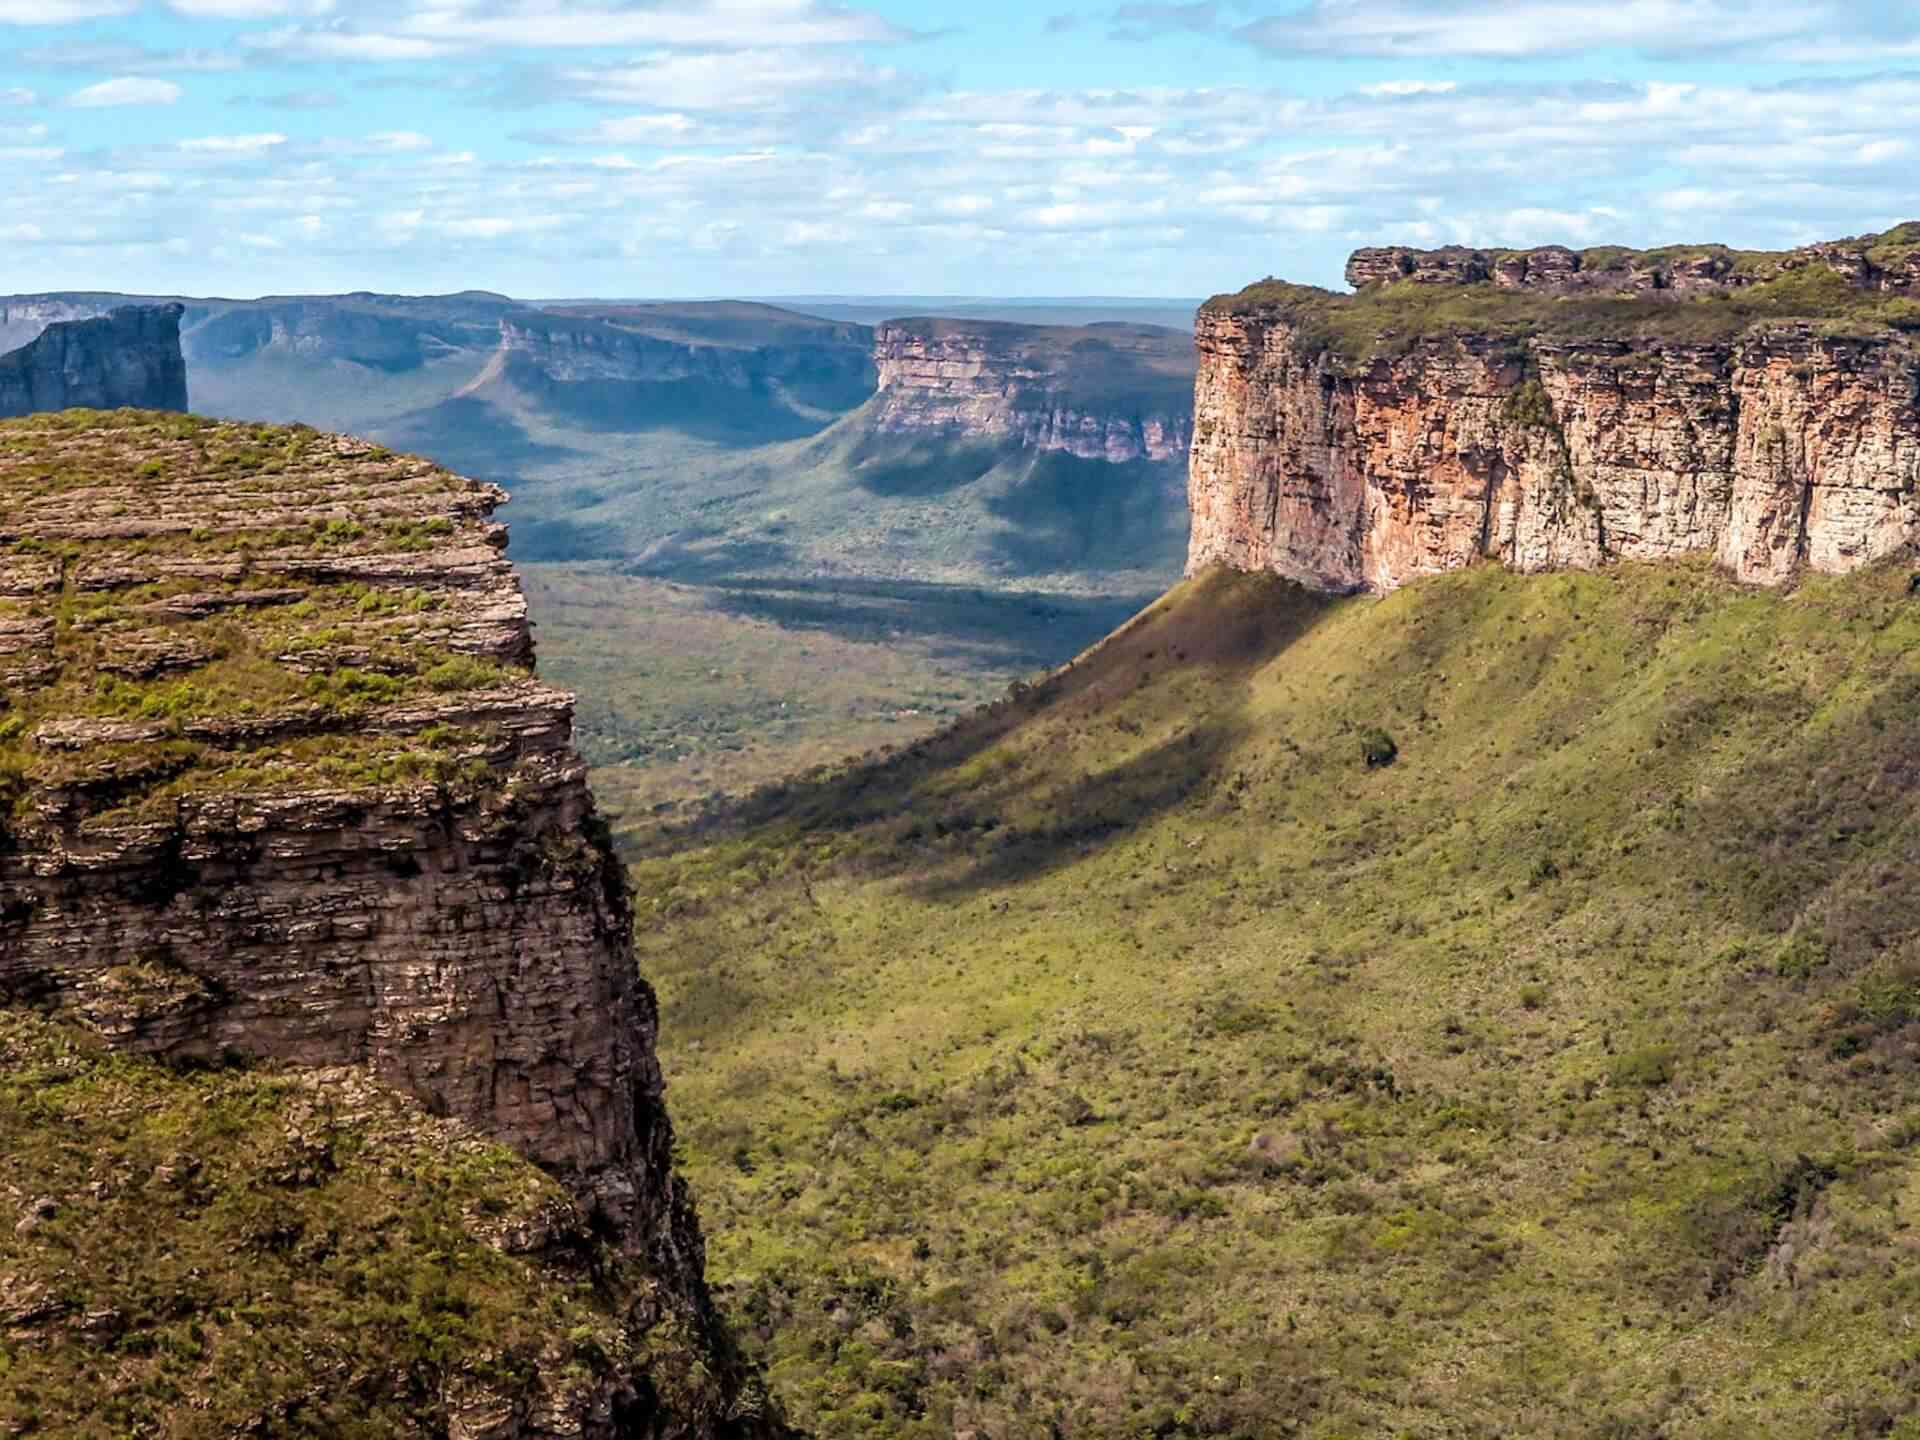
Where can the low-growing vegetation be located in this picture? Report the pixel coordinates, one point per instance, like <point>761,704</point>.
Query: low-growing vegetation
<point>253,1251</point>
<point>1390,320</point>
<point>1134,1059</point>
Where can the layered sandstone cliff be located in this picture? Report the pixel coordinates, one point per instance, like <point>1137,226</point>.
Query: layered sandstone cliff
<point>1109,392</point>
<point>282,786</point>
<point>1357,442</point>
<point>129,357</point>
<point>612,355</point>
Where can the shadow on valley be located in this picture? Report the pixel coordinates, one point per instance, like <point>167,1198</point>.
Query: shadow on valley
<point>1006,630</point>
<point>721,414</point>
<point>475,438</point>
<point>1058,770</point>
<point>1069,514</point>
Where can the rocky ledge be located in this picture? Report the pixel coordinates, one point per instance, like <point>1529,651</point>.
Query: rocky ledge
<point>281,786</point>
<point>129,357</point>
<point>1355,442</point>
<point>1888,262</point>
<point>1111,392</point>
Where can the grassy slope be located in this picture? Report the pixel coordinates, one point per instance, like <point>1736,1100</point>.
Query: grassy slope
<point>1389,319</point>
<point>1137,1061</point>
<point>265,1253</point>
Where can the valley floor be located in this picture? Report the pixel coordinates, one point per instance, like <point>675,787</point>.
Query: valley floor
<point>691,694</point>
<point>1135,1058</point>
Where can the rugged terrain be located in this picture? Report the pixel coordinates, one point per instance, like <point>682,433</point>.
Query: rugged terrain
<point>708,475</point>
<point>1551,408</point>
<point>283,792</point>
<point>1105,392</point>
<point>1488,1010</point>
<point>130,356</point>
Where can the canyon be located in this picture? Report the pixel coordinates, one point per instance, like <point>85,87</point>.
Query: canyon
<point>284,789</point>
<point>1547,412</point>
<point>129,356</point>
<point>1112,392</point>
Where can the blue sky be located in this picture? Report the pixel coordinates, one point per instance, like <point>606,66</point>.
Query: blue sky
<point>1058,147</point>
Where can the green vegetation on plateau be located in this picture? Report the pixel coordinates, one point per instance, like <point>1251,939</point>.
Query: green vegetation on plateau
<point>1138,1059</point>
<point>250,1251</point>
<point>1390,319</point>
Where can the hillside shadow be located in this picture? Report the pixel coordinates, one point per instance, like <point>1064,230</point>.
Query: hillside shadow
<point>915,470</point>
<point>1023,630</point>
<point>475,438</point>
<point>1071,513</point>
<point>1215,632</point>
<point>736,417</point>
<point>1097,810</point>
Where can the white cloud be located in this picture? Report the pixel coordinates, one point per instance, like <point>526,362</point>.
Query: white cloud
<point>1411,87</point>
<point>401,140</point>
<point>59,12</point>
<point>233,144</point>
<point>1813,29</point>
<point>248,9</point>
<point>17,97</point>
<point>126,90</point>
<point>428,29</point>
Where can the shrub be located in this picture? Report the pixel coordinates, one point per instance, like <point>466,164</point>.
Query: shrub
<point>1377,748</point>
<point>462,672</point>
<point>1647,1067</point>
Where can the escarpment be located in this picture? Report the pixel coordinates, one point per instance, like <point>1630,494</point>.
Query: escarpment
<point>129,357</point>
<point>1762,410</point>
<point>283,787</point>
<point>621,360</point>
<point>1113,392</point>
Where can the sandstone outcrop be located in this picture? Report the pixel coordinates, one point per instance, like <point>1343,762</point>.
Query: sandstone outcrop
<point>129,357</point>
<point>283,786</point>
<point>1357,442</point>
<point>1887,263</point>
<point>1110,392</point>
<point>608,358</point>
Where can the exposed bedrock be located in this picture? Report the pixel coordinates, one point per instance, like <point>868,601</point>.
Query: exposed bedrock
<point>129,357</point>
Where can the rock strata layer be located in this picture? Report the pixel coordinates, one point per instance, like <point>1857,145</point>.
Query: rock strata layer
<point>1354,459</point>
<point>283,786</point>
<point>1109,392</point>
<point>129,357</point>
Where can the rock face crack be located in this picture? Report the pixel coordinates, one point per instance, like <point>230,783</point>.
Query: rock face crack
<point>1364,476</point>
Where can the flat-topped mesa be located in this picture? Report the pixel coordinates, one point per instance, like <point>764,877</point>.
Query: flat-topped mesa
<point>1889,262</point>
<point>130,357</point>
<point>1112,392</point>
<point>281,784</point>
<point>1764,412</point>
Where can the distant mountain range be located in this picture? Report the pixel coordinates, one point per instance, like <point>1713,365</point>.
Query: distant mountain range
<point>705,438</point>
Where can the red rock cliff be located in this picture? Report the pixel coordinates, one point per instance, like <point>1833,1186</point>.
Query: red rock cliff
<point>1102,392</point>
<point>1358,443</point>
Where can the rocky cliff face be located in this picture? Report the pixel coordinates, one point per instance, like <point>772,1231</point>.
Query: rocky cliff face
<point>282,786</point>
<point>1101,392</point>
<point>1357,443</point>
<point>759,350</point>
<point>130,357</point>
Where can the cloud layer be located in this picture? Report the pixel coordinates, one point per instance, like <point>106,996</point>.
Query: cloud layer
<point>761,146</point>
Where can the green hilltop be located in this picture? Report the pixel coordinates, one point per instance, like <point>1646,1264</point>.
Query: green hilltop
<point>1489,1010</point>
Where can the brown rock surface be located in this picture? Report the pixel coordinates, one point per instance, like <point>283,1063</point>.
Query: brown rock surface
<point>1788,444</point>
<point>1101,392</point>
<point>393,864</point>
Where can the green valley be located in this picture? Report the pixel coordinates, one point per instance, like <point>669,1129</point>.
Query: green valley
<point>1142,1056</point>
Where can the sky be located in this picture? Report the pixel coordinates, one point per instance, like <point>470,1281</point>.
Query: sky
<point>925,147</point>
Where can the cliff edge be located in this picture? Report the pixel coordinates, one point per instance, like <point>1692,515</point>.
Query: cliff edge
<point>282,787</point>
<point>130,357</point>
<point>1113,392</point>
<point>1550,408</point>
